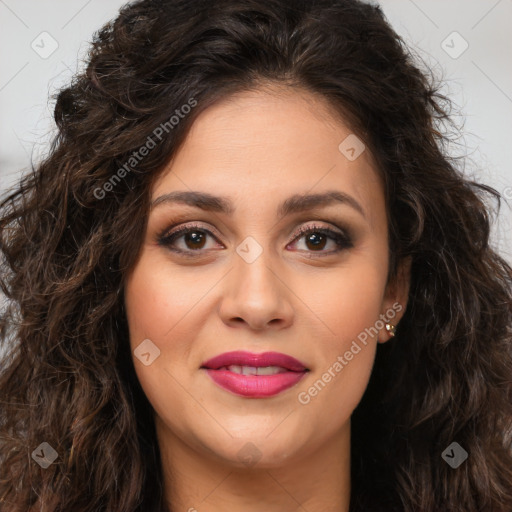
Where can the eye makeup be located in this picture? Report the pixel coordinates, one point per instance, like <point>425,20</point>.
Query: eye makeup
<point>196,234</point>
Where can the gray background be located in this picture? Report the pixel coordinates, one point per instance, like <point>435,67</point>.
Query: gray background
<point>479,80</point>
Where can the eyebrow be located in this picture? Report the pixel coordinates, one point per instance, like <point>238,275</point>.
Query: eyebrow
<point>293,204</point>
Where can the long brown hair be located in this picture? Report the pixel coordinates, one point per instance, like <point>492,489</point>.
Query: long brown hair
<point>72,229</point>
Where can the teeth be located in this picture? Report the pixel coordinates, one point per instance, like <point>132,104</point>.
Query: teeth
<point>248,370</point>
<point>252,370</point>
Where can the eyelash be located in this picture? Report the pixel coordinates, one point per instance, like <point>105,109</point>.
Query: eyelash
<point>342,240</point>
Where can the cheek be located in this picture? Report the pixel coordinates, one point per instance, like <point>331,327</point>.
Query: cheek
<point>158,300</point>
<point>155,305</point>
<point>345,301</point>
<point>348,305</point>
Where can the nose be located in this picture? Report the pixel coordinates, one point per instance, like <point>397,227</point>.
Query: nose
<point>256,295</point>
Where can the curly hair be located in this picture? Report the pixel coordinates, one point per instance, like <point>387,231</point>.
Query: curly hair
<point>69,234</point>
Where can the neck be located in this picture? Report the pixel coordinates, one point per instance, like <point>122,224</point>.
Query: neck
<point>197,480</point>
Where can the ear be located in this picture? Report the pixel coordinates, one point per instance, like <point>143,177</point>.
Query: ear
<point>395,298</point>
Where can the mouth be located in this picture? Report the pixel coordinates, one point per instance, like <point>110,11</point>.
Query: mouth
<point>255,375</point>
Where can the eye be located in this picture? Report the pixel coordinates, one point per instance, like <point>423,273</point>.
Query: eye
<point>194,239</point>
<point>316,238</point>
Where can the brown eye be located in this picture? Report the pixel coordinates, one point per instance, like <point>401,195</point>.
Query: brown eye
<point>317,237</point>
<point>194,239</point>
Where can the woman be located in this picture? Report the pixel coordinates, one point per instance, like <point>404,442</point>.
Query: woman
<point>247,277</point>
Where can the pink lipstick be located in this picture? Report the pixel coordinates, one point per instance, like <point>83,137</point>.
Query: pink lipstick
<point>255,375</point>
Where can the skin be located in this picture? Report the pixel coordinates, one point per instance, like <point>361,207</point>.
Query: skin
<point>258,148</point>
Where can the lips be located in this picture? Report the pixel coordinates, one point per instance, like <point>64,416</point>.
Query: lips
<point>241,358</point>
<point>255,375</point>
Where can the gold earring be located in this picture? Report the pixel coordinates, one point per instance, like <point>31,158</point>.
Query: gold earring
<point>391,329</point>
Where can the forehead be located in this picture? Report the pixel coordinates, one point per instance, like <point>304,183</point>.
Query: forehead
<point>259,147</point>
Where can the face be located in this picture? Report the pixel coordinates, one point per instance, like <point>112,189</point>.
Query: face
<point>260,268</point>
